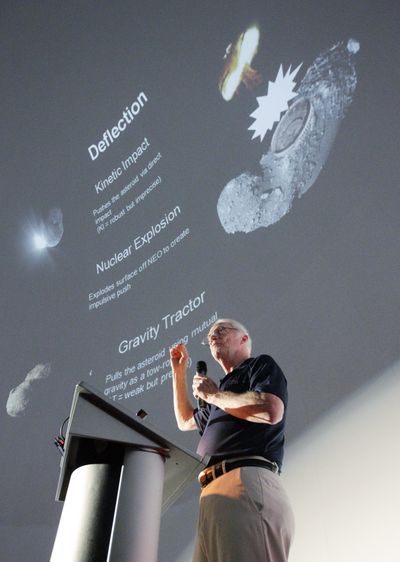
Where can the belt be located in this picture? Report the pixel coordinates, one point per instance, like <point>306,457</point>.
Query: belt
<point>209,474</point>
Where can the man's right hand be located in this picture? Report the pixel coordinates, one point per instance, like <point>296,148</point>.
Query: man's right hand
<point>179,358</point>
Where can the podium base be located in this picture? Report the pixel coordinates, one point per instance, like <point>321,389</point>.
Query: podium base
<point>84,530</point>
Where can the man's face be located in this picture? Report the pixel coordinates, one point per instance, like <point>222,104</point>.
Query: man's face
<point>224,340</point>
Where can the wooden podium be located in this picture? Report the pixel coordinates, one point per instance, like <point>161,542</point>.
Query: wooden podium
<point>117,476</point>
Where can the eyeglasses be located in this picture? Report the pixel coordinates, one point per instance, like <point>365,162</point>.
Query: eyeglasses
<point>219,331</point>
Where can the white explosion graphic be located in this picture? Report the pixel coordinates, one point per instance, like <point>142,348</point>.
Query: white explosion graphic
<point>271,106</point>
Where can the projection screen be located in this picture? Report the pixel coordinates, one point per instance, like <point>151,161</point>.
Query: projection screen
<point>166,164</point>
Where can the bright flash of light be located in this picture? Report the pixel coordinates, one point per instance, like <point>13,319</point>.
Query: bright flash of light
<point>48,233</point>
<point>239,57</point>
<point>39,241</point>
<point>271,106</point>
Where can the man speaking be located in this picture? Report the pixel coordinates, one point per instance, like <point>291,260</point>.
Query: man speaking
<point>244,515</point>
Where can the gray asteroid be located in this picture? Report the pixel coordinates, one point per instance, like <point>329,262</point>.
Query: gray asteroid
<point>19,396</point>
<point>299,147</point>
<point>53,227</point>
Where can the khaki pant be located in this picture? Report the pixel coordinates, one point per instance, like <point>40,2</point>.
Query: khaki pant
<point>244,516</point>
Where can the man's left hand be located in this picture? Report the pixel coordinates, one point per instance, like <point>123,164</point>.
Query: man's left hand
<point>204,388</point>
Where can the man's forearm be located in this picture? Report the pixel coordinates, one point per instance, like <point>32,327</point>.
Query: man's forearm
<point>183,407</point>
<point>258,407</point>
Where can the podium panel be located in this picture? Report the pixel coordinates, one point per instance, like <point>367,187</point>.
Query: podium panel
<point>117,476</point>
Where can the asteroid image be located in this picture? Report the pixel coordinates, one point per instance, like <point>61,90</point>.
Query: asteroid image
<point>51,230</point>
<point>299,147</point>
<point>19,397</point>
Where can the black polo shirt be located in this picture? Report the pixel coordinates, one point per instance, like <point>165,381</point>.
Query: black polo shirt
<point>225,436</point>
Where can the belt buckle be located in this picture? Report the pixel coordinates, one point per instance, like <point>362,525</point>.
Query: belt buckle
<point>209,474</point>
<point>206,476</point>
<point>202,478</point>
<point>218,469</point>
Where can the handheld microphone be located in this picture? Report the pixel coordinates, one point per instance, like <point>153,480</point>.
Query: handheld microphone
<point>201,369</point>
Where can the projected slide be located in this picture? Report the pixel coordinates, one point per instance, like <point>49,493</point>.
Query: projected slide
<point>142,221</point>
